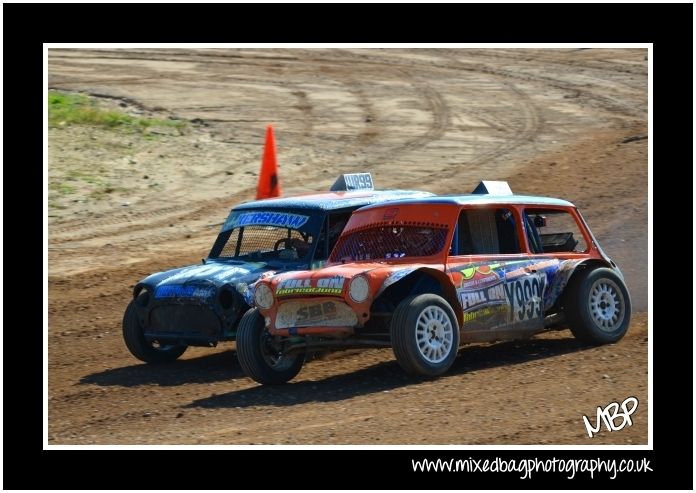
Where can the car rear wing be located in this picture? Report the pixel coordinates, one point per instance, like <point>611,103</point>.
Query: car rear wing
<point>488,187</point>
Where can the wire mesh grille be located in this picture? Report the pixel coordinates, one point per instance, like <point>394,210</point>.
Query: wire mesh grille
<point>267,242</point>
<point>391,241</point>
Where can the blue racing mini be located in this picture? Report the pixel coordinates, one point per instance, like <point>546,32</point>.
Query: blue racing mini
<point>201,305</point>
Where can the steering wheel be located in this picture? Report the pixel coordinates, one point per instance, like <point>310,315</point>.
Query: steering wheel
<point>286,241</point>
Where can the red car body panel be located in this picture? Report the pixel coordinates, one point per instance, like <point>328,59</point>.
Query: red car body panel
<point>531,274</point>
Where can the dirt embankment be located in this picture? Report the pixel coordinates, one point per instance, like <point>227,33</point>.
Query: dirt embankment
<point>567,123</point>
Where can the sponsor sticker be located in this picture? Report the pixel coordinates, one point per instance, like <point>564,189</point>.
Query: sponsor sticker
<point>525,296</point>
<point>281,219</point>
<point>328,286</point>
<point>184,291</point>
<point>306,314</point>
<point>486,311</point>
<point>473,299</point>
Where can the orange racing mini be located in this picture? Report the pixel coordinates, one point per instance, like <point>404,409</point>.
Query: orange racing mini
<point>427,275</point>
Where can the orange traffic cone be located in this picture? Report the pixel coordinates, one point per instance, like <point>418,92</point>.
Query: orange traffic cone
<point>268,179</point>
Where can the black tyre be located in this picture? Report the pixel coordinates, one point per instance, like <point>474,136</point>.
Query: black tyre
<point>259,355</point>
<point>424,335</point>
<point>149,352</point>
<point>597,306</point>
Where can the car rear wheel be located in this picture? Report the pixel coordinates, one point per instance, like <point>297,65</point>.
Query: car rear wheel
<point>598,306</point>
<point>141,348</point>
<point>424,335</point>
<point>261,356</point>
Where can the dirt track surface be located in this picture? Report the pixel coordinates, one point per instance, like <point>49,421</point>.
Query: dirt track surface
<point>565,123</point>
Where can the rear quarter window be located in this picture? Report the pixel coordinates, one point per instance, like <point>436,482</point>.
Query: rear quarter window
<point>553,231</point>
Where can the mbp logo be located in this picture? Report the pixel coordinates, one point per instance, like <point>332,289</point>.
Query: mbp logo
<point>609,414</point>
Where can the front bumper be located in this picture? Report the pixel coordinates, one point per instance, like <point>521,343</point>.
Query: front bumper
<point>313,316</point>
<point>190,321</point>
<point>191,324</point>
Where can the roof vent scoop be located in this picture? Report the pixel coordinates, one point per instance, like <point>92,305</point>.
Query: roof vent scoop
<point>487,187</point>
<point>353,181</point>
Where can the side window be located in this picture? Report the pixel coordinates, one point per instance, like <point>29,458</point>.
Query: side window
<point>552,230</point>
<point>486,231</point>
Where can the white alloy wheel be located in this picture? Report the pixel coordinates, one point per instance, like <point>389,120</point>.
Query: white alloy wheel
<point>434,334</point>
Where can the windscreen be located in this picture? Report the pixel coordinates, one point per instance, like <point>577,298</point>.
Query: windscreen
<point>263,236</point>
<point>390,242</point>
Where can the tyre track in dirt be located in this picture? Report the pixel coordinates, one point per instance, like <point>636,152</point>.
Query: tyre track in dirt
<point>139,221</point>
<point>600,101</point>
<point>531,120</point>
<point>601,69</point>
<point>530,128</point>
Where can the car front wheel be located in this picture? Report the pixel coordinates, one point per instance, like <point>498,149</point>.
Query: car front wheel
<point>141,348</point>
<point>598,306</point>
<point>424,335</point>
<point>261,356</point>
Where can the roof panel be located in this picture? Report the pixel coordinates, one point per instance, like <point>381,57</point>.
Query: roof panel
<point>481,200</point>
<point>332,200</point>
